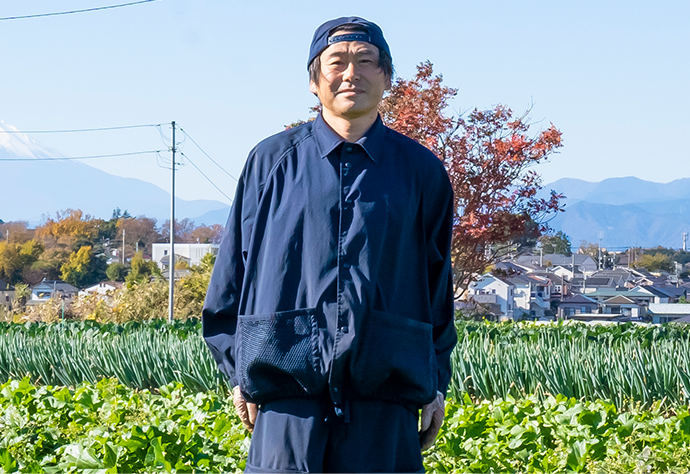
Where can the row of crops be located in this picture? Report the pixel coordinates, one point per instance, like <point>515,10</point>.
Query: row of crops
<point>147,397</point>
<point>620,363</point>
<point>107,427</point>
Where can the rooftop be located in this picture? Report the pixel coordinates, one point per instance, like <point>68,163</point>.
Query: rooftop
<point>669,308</point>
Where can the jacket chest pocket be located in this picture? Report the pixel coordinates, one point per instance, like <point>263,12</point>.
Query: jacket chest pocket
<point>277,354</point>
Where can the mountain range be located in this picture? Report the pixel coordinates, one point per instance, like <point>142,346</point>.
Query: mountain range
<point>36,187</point>
<point>629,211</point>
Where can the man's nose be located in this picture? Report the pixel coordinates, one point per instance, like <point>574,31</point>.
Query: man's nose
<point>350,73</point>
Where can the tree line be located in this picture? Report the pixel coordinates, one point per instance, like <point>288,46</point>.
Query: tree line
<point>83,250</point>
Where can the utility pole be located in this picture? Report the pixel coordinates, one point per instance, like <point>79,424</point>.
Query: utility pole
<point>541,256</point>
<point>601,238</point>
<point>123,245</point>
<point>685,241</point>
<point>171,274</point>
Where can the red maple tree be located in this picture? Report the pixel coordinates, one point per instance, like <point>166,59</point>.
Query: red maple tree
<point>488,155</point>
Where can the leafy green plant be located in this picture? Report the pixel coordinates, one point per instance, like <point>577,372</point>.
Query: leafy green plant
<point>560,434</point>
<point>107,427</point>
<point>110,428</point>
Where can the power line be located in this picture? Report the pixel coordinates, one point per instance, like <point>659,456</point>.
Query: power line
<point>207,178</point>
<point>207,155</point>
<point>77,11</point>
<point>65,158</point>
<point>81,129</point>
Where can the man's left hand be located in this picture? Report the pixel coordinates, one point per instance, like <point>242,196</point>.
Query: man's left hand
<point>432,419</point>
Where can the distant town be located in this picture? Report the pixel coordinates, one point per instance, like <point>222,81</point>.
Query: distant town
<point>75,255</point>
<point>546,287</point>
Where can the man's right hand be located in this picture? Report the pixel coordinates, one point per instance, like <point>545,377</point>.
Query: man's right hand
<point>246,411</point>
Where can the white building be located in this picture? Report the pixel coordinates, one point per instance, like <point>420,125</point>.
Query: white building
<point>190,253</point>
<point>532,295</point>
<point>102,289</point>
<point>491,291</point>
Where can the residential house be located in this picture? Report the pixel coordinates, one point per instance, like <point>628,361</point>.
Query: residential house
<point>583,263</point>
<point>495,294</point>
<point>52,288</point>
<point>6,294</point>
<point>509,267</point>
<point>178,274</point>
<point>620,276</point>
<point>102,289</point>
<point>577,305</point>
<point>590,284</point>
<point>664,313</point>
<point>620,304</point>
<point>532,296</point>
<point>675,293</point>
<point>560,286</point>
<point>190,253</point>
<point>659,296</point>
<point>566,271</point>
<point>641,298</point>
<point>645,278</point>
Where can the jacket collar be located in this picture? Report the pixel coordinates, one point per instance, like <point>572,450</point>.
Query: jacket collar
<point>372,141</point>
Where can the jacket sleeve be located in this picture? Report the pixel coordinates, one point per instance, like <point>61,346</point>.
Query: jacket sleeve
<point>439,234</point>
<point>219,315</point>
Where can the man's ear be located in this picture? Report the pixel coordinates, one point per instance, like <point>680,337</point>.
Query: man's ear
<point>389,83</point>
<point>313,88</point>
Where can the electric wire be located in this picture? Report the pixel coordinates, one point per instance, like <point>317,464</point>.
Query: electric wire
<point>107,7</point>
<point>161,159</point>
<point>81,129</point>
<point>66,158</point>
<point>207,178</point>
<point>207,155</point>
<point>166,140</point>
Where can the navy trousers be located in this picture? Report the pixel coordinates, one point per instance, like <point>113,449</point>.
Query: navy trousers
<point>305,435</point>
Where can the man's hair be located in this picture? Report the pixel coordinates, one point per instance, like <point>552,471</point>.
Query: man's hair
<point>385,61</point>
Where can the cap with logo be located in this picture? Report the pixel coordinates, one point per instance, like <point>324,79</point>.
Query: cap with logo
<point>370,33</point>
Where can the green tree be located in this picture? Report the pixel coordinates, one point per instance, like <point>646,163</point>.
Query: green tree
<point>15,258</point>
<point>47,266</point>
<point>196,283</point>
<point>141,270</point>
<point>654,262</point>
<point>83,268</point>
<point>116,272</point>
<point>558,243</point>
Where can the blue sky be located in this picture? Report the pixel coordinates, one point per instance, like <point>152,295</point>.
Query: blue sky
<point>612,75</point>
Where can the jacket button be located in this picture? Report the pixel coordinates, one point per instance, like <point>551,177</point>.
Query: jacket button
<point>346,265</point>
<point>345,330</point>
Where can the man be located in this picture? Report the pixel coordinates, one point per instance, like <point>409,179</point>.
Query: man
<point>330,305</point>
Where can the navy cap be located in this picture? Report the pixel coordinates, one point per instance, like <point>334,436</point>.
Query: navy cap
<point>322,35</point>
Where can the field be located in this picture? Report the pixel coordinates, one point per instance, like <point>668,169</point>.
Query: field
<point>147,397</point>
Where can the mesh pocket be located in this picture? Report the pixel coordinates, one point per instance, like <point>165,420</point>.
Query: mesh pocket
<point>278,351</point>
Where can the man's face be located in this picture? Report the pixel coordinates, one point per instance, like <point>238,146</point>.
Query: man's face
<point>351,83</point>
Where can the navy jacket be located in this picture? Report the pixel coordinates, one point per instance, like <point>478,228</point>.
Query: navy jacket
<point>334,272</point>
